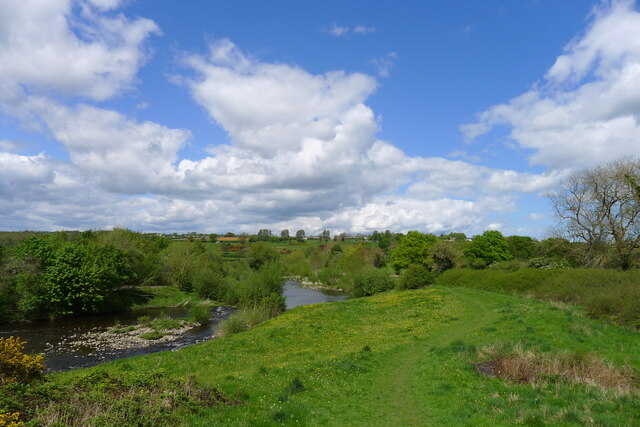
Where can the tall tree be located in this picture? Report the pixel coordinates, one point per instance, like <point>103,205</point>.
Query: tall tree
<point>600,207</point>
<point>284,235</point>
<point>300,235</point>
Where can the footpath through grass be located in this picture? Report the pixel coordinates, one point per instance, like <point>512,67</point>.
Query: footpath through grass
<point>403,358</point>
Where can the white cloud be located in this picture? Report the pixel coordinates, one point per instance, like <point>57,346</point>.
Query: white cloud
<point>363,29</point>
<point>337,30</point>
<point>84,52</point>
<point>587,110</point>
<point>384,64</point>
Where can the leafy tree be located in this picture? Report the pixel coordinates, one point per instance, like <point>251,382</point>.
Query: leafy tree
<point>284,235</point>
<point>444,256</point>
<point>412,249</point>
<point>300,235</point>
<point>264,235</point>
<point>325,235</point>
<point>488,248</point>
<point>521,247</point>
<point>81,276</point>
<point>260,253</point>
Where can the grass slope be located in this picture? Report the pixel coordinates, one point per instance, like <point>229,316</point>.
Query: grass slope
<point>403,358</point>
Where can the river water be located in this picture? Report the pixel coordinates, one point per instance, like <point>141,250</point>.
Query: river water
<point>63,345</point>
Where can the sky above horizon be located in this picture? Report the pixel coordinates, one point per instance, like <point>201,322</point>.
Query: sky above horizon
<point>438,116</point>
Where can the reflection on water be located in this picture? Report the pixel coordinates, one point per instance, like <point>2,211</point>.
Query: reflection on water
<point>297,295</point>
<point>54,338</point>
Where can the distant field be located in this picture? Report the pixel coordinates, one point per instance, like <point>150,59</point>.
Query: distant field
<point>403,358</point>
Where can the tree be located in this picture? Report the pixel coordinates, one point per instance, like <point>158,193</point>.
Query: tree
<point>521,247</point>
<point>264,235</point>
<point>284,235</point>
<point>488,248</point>
<point>325,236</point>
<point>300,235</point>
<point>600,207</point>
<point>260,253</point>
<point>412,249</point>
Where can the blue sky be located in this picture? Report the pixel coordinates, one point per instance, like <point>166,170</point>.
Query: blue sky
<point>354,116</point>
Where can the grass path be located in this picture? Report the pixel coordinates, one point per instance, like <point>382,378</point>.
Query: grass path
<point>397,392</point>
<point>396,359</point>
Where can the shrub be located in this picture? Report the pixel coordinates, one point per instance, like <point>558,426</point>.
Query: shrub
<point>261,253</point>
<point>274,304</point>
<point>15,366</point>
<point>10,419</point>
<point>200,313</point>
<point>211,284</point>
<point>372,281</point>
<point>415,276</point>
<point>445,256</point>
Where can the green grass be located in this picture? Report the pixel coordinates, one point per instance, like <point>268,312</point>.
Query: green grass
<point>398,358</point>
<point>163,296</point>
<point>612,295</point>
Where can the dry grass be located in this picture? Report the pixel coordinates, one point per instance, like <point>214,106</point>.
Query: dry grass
<point>574,368</point>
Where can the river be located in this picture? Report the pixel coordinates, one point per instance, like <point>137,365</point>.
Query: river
<point>64,341</point>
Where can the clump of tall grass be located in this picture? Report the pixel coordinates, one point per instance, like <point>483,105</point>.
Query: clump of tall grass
<point>242,321</point>
<point>528,366</point>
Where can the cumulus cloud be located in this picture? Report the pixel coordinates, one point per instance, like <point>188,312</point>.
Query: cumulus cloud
<point>50,47</point>
<point>303,151</point>
<point>587,108</point>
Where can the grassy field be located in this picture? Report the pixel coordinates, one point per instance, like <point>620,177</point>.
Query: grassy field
<point>608,294</point>
<point>404,358</point>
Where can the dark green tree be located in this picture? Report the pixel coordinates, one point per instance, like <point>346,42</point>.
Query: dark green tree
<point>487,248</point>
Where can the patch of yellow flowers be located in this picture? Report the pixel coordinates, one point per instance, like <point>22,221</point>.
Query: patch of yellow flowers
<point>15,366</point>
<point>10,419</point>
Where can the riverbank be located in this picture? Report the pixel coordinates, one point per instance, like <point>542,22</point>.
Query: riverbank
<point>316,286</point>
<point>407,358</point>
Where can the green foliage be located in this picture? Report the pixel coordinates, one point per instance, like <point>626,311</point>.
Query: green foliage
<point>259,254</point>
<point>412,249</point>
<point>242,321</point>
<point>79,277</point>
<point>607,294</point>
<point>416,276</point>
<point>371,281</point>
<point>489,247</point>
<point>445,256</point>
<point>521,247</point>
<point>200,313</point>
<point>211,284</point>
<point>15,366</point>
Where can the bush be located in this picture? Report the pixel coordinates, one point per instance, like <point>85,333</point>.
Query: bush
<point>415,276</point>
<point>274,304</point>
<point>372,281</point>
<point>15,366</point>
<point>261,253</point>
<point>200,313</point>
<point>211,284</point>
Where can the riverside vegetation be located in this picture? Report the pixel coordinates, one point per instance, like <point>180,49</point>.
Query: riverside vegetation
<point>509,330</point>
